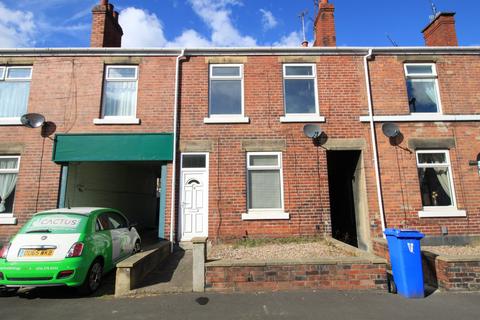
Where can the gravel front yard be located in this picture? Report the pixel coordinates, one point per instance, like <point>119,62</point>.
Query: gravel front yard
<point>454,250</point>
<point>284,251</point>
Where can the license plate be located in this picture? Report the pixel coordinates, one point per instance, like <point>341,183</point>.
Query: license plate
<point>36,252</point>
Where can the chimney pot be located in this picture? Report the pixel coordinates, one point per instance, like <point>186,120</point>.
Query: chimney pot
<point>441,31</point>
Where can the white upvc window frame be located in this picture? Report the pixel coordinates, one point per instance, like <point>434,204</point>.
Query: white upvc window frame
<point>265,213</point>
<point>439,211</point>
<point>4,77</point>
<point>226,118</point>
<point>7,218</point>
<point>420,76</point>
<point>132,119</point>
<point>301,117</point>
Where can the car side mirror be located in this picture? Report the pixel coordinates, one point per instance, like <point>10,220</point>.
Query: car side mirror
<point>132,225</point>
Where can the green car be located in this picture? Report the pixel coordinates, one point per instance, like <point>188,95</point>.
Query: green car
<point>71,247</point>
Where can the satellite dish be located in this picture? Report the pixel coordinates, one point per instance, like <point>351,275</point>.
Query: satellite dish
<point>312,130</point>
<point>391,130</point>
<point>32,120</point>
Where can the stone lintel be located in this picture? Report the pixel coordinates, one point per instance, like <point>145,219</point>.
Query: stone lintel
<point>298,59</point>
<point>123,60</point>
<point>345,144</point>
<point>264,145</point>
<point>196,146</point>
<point>431,143</point>
<point>226,60</point>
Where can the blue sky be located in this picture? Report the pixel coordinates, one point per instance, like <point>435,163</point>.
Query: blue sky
<point>200,23</point>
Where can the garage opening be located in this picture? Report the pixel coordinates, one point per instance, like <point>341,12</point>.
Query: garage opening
<point>134,188</point>
<point>348,198</point>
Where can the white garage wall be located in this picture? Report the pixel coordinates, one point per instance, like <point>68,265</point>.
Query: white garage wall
<point>128,188</point>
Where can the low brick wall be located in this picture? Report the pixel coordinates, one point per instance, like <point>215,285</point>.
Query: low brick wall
<point>450,273</point>
<point>339,274</point>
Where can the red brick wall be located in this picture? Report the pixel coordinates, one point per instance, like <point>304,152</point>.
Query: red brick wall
<point>457,77</point>
<point>354,276</point>
<point>342,100</point>
<point>68,91</point>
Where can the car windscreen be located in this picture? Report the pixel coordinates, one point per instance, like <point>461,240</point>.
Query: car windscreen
<point>55,223</point>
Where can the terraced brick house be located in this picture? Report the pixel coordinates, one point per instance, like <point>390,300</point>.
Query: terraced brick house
<point>211,141</point>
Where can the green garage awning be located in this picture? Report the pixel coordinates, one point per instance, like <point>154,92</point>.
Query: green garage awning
<point>113,147</point>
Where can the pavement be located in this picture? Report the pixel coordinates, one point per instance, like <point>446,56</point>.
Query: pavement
<point>53,304</point>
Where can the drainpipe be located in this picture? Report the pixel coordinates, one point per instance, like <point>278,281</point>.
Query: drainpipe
<point>374,139</point>
<point>174,164</point>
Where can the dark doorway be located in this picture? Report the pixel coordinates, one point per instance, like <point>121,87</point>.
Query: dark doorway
<point>343,171</point>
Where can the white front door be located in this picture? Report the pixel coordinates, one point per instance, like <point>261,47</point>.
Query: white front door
<point>193,200</point>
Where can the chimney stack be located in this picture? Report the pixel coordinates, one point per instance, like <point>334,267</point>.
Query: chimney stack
<point>106,31</point>
<point>325,35</point>
<point>441,31</point>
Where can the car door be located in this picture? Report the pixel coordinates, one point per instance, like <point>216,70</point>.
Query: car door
<point>121,242</point>
<point>103,240</point>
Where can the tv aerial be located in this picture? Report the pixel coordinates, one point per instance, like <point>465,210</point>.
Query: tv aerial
<point>434,10</point>
<point>302,17</point>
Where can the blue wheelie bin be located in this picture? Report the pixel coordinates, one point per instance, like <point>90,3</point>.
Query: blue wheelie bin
<point>406,259</point>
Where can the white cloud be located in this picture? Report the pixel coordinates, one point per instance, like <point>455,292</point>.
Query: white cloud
<point>217,16</point>
<point>144,29</point>
<point>17,28</point>
<point>268,20</point>
<point>294,39</point>
<point>141,29</point>
<point>190,38</point>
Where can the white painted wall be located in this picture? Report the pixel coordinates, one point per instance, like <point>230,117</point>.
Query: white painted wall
<point>127,187</point>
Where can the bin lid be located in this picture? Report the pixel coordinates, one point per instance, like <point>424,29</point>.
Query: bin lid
<point>404,233</point>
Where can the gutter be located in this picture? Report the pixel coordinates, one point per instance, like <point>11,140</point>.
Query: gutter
<point>174,163</point>
<point>374,139</point>
<point>314,51</point>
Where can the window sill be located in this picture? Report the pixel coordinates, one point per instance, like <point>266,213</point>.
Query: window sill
<point>6,219</point>
<point>117,121</point>
<point>441,213</point>
<point>227,119</point>
<point>433,117</point>
<point>302,118</point>
<point>277,215</point>
<point>10,122</point>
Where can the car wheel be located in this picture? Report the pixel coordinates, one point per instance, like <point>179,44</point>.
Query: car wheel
<point>137,248</point>
<point>94,278</point>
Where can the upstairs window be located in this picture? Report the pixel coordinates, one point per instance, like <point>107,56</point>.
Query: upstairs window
<point>435,176</point>
<point>226,90</point>
<point>9,166</point>
<point>300,89</point>
<point>120,92</point>
<point>14,91</point>
<point>264,185</point>
<point>422,88</point>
